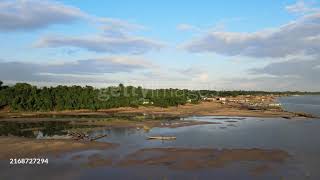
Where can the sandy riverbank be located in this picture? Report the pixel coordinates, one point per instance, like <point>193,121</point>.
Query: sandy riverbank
<point>201,109</point>
<point>16,147</point>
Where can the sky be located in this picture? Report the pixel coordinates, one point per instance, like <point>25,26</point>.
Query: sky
<point>269,45</point>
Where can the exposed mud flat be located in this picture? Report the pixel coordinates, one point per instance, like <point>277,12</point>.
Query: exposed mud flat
<point>97,160</point>
<point>194,159</point>
<point>201,109</point>
<point>26,147</point>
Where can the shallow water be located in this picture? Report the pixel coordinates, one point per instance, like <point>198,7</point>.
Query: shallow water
<point>297,137</point>
<point>37,129</point>
<point>308,104</point>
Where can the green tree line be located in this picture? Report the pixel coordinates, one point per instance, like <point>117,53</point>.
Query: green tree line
<point>25,97</point>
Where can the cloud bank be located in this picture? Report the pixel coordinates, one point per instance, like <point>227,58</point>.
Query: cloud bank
<point>298,37</point>
<point>81,71</point>
<point>102,43</point>
<point>116,37</point>
<point>301,7</point>
<point>25,15</point>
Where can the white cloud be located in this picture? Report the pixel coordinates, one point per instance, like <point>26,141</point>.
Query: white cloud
<point>101,43</point>
<point>196,74</point>
<point>301,7</point>
<point>116,36</point>
<point>293,38</point>
<point>23,15</point>
<point>266,83</point>
<point>292,50</point>
<point>297,67</point>
<point>114,27</point>
<point>81,71</point>
<point>203,77</point>
<point>187,27</point>
<point>294,74</point>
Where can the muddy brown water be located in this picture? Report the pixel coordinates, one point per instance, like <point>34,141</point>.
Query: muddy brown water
<point>249,148</point>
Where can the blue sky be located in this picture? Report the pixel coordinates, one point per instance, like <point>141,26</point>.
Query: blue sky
<point>250,45</point>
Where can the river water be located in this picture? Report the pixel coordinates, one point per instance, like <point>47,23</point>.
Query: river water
<point>308,104</point>
<point>240,145</point>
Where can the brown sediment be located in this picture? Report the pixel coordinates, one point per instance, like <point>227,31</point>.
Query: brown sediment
<point>261,169</point>
<point>76,157</point>
<point>193,159</point>
<point>203,108</point>
<point>97,160</point>
<point>14,147</point>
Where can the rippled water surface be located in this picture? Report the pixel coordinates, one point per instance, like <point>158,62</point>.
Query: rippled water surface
<point>237,144</point>
<point>308,104</point>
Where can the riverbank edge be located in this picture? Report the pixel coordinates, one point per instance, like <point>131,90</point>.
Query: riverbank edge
<point>201,109</point>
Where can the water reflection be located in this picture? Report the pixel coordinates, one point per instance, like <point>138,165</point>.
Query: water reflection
<point>239,141</point>
<point>37,129</point>
<point>308,104</point>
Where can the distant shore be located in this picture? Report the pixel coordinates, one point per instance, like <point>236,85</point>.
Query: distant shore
<point>201,109</point>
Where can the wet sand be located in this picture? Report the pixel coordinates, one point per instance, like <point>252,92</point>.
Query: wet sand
<point>97,160</point>
<point>208,109</point>
<point>195,159</point>
<point>16,147</point>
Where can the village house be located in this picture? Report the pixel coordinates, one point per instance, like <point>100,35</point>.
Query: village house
<point>146,101</point>
<point>221,99</point>
<point>208,99</point>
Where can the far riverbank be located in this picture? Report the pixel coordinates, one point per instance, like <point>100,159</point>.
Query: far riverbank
<point>201,109</point>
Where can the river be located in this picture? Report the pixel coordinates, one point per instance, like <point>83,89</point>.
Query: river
<point>308,104</point>
<point>230,148</point>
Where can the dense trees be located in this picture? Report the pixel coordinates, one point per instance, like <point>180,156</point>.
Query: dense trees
<point>25,97</point>
<point>5,95</point>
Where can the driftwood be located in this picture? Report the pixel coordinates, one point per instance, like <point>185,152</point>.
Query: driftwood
<point>302,114</point>
<point>81,136</point>
<point>78,135</point>
<point>161,138</point>
<point>98,137</point>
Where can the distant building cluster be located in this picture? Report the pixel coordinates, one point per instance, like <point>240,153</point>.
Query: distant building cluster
<point>249,101</point>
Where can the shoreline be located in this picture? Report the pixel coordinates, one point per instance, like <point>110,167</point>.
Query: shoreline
<point>201,109</point>
<point>20,147</point>
<point>175,158</point>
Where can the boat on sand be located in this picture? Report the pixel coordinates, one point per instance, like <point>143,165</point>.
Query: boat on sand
<point>161,138</point>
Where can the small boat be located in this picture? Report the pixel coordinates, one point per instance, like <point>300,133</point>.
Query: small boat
<point>161,138</point>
